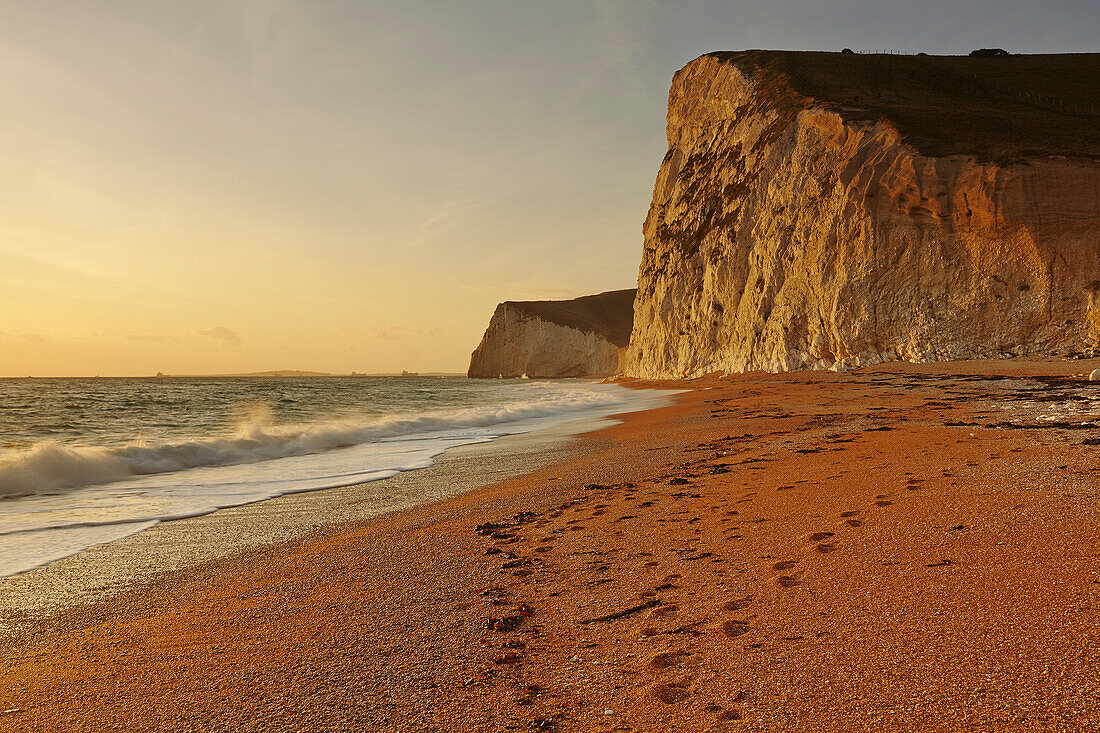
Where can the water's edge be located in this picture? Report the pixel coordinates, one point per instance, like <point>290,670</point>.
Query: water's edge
<point>105,570</point>
<point>46,529</point>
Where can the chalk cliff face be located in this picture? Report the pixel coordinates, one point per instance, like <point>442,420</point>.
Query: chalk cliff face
<point>790,232</point>
<point>584,337</point>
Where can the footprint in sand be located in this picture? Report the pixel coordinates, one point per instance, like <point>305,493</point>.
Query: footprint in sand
<point>825,547</point>
<point>734,628</point>
<point>849,514</point>
<point>669,659</point>
<point>666,611</point>
<point>738,604</point>
<point>883,502</point>
<point>818,536</point>
<point>785,565</point>
<point>789,581</point>
<point>669,693</point>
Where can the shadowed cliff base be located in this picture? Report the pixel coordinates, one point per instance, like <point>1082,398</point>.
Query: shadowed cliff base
<point>997,109</point>
<point>582,337</point>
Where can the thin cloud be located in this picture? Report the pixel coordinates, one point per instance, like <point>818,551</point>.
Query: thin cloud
<point>31,338</point>
<point>452,214</point>
<point>521,291</point>
<point>393,332</point>
<point>623,26</point>
<point>385,334</point>
<point>225,335</point>
<point>41,262</point>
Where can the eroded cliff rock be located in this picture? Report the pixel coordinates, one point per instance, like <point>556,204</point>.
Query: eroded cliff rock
<point>815,212</point>
<point>584,337</point>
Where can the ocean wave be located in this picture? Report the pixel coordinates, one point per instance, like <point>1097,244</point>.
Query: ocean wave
<point>50,466</point>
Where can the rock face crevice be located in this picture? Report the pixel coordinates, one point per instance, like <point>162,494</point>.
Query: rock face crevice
<point>584,337</point>
<point>791,232</point>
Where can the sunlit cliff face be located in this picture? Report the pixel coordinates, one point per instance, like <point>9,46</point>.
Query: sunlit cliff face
<point>784,239</point>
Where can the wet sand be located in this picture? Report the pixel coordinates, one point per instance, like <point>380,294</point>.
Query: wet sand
<point>156,555</point>
<point>910,547</point>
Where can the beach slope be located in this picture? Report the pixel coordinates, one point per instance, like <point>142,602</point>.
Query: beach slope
<point>908,547</point>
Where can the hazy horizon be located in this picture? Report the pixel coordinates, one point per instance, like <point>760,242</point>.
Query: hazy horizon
<point>232,187</point>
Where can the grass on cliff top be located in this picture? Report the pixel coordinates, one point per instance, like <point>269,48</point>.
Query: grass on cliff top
<point>996,109</point>
<point>609,314</point>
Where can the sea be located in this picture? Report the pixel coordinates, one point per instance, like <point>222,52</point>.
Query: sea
<point>89,461</point>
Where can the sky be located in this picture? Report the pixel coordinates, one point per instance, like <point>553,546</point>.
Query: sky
<point>242,185</point>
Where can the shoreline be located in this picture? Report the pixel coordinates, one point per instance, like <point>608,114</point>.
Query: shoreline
<point>117,492</point>
<point>905,547</point>
<point>94,574</point>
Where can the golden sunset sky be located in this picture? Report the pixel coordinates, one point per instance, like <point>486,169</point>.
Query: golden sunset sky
<point>210,187</point>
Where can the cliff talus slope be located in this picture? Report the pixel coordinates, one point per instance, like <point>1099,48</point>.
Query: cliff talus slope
<point>827,210</point>
<point>584,337</point>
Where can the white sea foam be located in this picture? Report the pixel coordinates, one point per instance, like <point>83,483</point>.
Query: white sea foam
<point>50,466</point>
<point>61,500</point>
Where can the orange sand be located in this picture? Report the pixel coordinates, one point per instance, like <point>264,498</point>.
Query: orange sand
<point>807,551</point>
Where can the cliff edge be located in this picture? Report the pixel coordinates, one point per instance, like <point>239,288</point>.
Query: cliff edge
<point>821,210</point>
<point>583,337</point>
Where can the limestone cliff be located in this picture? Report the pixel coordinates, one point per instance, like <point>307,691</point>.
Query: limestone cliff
<point>583,337</point>
<point>823,210</point>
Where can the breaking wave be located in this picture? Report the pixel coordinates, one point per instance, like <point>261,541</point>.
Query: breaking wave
<point>50,466</point>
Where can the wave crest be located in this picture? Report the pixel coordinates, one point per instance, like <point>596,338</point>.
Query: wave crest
<point>51,466</point>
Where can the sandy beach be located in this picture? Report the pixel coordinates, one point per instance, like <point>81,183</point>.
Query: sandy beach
<point>907,547</point>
